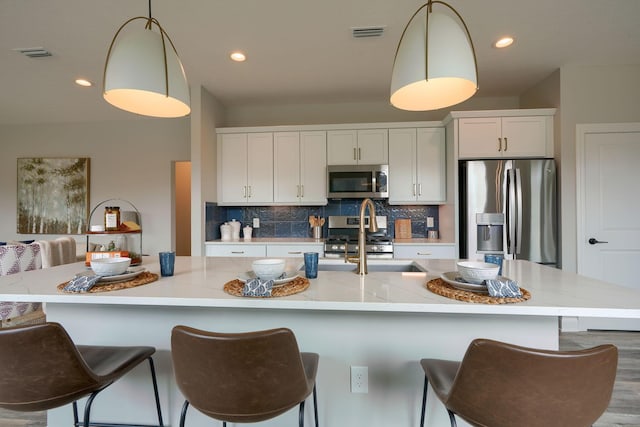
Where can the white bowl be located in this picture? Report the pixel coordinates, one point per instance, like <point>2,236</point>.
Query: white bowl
<point>268,269</point>
<point>110,266</point>
<point>477,272</point>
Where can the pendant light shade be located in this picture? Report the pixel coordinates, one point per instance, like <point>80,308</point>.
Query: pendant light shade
<point>143,74</point>
<point>435,64</point>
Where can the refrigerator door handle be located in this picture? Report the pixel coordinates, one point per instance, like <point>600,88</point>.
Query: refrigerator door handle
<point>518,211</point>
<point>511,212</point>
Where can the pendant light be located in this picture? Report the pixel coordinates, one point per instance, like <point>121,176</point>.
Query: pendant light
<point>143,74</point>
<point>435,64</point>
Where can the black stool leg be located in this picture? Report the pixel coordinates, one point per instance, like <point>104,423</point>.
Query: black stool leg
<point>155,391</point>
<point>424,401</point>
<point>452,418</point>
<point>315,405</point>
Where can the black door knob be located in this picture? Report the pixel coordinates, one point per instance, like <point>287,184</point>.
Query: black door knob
<point>593,241</point>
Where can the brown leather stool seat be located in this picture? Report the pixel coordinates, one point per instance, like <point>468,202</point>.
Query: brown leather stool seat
<point>41,369</point>
<point>504,385</point>
<point>243,377</point>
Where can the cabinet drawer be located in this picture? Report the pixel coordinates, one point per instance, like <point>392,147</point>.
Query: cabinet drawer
<point>239,250</point>
<point>296,251</point>
<point>424,251</point>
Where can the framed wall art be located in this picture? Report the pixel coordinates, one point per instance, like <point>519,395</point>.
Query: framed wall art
<point>53,195</point>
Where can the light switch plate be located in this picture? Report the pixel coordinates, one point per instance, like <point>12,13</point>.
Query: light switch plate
<point>256,222</point>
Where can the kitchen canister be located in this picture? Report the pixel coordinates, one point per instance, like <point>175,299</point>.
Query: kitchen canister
<point>235,229</point>
<point>225,232</point>
<point>246,232</point>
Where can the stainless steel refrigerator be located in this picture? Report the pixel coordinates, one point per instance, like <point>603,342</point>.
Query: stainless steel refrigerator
<point>509,207</point>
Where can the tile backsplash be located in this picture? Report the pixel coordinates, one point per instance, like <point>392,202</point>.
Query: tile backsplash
<point>293,221</point>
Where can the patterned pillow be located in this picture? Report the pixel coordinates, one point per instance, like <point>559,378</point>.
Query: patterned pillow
<point>17,258</point>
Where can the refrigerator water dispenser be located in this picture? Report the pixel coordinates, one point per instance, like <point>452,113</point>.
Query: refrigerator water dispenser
<point>490,229</point>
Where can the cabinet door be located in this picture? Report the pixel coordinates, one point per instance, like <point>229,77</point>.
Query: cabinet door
<point>260,167</point>
<point>479,138</point>
<point>373,147</point>
<point>293,250</point>
<point>237,250</point>
<point>524,136</point>
<point>424,251</point>
<point>431,159</point>
<point>232,167</point>
<point>342,147</point>
<point>286,167</point>
<point>313,168</point>
<point>402,166</point>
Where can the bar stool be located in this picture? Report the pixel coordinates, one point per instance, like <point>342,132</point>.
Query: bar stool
<point>41,369</point>
<point>242,377</point>
<point>504,385</point>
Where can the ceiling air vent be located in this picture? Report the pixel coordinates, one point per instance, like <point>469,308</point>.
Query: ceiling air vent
<point>34,52</point>
<point>367,32</point>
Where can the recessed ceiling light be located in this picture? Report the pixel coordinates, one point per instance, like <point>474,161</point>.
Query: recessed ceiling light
<point>504,42</point>
<point>238,56</point>
<point>83,82</point>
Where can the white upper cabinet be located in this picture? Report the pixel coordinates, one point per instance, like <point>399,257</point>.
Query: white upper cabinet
<point>245,165</point>
<point>417,166</point>
<point>510,136</point>
<point>300,161</point>
<point>353,147</point>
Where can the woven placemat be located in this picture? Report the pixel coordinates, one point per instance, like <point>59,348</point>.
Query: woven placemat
<point>440,287</point>
<point>295,286</point>
<point>142,279</point>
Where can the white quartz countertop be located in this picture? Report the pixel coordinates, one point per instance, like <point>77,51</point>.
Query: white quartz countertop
<point>199,281</point>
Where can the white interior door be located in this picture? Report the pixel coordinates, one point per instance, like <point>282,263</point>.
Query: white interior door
<point>608,165</point>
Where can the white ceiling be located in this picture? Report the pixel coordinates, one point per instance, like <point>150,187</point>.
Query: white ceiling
<point>298,51</point>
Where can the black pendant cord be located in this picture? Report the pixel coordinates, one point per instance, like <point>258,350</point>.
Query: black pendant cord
<point>149,10</point>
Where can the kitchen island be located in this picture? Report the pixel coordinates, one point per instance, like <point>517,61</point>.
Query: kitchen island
<point>386,321</point>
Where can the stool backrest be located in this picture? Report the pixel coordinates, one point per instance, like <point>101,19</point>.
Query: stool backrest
<point>256,375</point>
<point>40,367</point>
<point>502,385</point>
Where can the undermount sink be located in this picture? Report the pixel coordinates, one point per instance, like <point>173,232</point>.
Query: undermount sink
<point>387,266</point>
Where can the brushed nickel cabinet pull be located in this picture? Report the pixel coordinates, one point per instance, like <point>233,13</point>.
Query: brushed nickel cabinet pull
<point>294,252</point>
<point>297,191</point>
<point>302,191</point>
<point>359,153</point>
<point>499,144</point>
<point>237,252</point>
<point>420,189</point>
<point>506,144</point>
<point>354,154</point>
<point>414,189</point>
<point>424,253</point>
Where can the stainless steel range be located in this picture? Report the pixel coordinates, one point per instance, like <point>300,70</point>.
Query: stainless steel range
<point>343,235</point>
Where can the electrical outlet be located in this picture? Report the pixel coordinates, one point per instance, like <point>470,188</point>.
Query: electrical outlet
<point>430,223</point>
<point>256,222</point>
<point>359,379</point>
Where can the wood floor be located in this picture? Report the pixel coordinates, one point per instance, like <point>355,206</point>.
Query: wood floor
<point>624,410</point>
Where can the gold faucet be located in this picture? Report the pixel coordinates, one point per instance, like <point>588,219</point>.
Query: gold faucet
<point>361,259</point>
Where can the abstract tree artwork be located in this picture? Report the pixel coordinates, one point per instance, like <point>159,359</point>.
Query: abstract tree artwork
<point>53,195</point>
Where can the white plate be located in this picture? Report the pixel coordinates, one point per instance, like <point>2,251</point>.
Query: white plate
<point>451,276</point>
<point>288,276</point>
<point>129,274</point>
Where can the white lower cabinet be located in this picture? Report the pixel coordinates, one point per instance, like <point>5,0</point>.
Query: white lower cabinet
<point>236,250</point>
<point>261,250</point>
<point>297,251</point>
<point>410,251</point>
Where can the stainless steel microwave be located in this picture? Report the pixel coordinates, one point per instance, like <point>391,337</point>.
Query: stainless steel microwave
<point>355,181</point>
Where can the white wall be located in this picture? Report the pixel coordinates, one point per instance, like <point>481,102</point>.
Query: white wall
<point>355,112</point>
<point>131,160</point>
<point>590,94</point>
